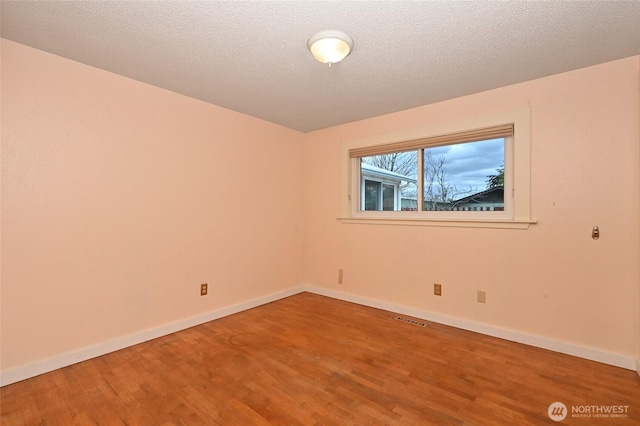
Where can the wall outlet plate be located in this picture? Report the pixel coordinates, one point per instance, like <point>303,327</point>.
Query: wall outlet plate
<point>437,289</point>
<point>482,296</point>
<point>204,288</point>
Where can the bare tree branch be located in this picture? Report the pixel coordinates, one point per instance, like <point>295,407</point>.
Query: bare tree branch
<point>439,194</point>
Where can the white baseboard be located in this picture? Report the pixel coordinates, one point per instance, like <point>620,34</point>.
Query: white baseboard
<point>502,333</point>
<point>638,366</point>
<point>70,358</point>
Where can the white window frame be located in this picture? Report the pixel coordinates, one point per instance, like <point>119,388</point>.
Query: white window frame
<point>517,213</point>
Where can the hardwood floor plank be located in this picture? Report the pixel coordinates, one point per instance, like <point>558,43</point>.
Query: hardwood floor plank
<point>312,360</point>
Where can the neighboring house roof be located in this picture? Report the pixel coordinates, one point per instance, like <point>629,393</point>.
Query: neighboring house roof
<point>488,195</point>
<point>368,169</point>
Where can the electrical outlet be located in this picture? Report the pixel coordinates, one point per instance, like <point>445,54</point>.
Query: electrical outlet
<point>340,276</point>
<point>204,288</point>
<point>482,296</point>
<point>437,289</point>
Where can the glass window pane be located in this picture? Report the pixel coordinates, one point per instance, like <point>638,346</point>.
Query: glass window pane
<point>465,177</point>
<point>388,197</point>
<point>371,195</point>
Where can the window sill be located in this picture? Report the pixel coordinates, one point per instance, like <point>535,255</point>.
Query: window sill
<point>457,223</point>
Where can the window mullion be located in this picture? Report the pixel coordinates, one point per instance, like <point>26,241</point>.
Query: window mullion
<point>420,183</point>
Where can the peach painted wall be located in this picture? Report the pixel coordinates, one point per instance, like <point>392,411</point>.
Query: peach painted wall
<point>551,280</point>
<point>120,198</point>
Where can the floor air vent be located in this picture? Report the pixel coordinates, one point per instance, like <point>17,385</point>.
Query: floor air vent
<point>411,321</point>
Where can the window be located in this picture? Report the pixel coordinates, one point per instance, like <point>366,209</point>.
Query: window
<point>474,173</point>
<point>379,196</point>
<point>457,177</point>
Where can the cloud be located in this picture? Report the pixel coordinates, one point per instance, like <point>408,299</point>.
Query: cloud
<point>469,164</point>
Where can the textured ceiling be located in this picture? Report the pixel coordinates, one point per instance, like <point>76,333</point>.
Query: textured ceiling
<point>251,56</point>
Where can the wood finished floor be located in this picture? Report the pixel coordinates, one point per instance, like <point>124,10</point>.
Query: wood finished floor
<point>311,360</point>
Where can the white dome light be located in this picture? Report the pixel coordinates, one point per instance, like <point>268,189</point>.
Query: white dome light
<point>330,46</point>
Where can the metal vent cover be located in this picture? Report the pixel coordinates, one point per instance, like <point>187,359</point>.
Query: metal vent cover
<point>410,321</point>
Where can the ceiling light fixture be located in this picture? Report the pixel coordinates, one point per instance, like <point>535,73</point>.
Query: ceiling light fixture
<point>330,46</point>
